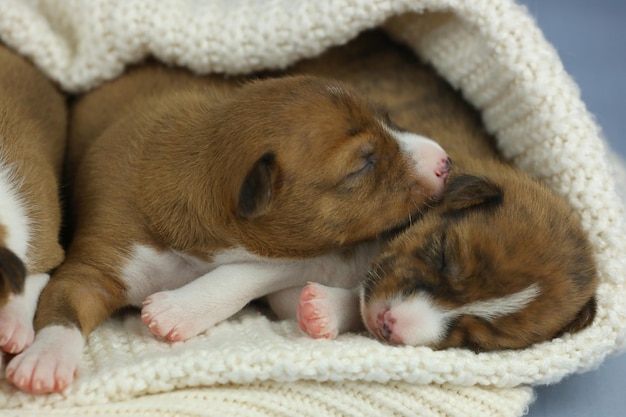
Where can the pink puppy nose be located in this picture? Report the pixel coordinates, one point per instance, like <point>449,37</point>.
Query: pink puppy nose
<point>443,169</point>
<point>385,324</point>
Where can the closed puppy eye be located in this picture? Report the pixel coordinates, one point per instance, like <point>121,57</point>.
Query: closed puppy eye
<point>443,259</point>
<point>368,164</point>
<point>447,262</point>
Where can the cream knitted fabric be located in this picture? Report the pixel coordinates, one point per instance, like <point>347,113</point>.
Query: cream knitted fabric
<point>311,399</point>
<point>492,51</point>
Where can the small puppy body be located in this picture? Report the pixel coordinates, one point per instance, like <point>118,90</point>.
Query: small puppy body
<point>32,141</point>
<point>501,262</point>
<point>195,195</point>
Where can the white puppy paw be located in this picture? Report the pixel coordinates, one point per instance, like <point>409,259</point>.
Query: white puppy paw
<point>167,317</point>
<point>50,364</point>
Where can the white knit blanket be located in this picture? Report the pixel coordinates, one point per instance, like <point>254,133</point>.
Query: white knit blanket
<point>250,366</point>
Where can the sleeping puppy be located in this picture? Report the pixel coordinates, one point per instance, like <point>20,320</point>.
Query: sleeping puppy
<point>502,262</point>
<point>32,142</point>
<point>195,195</point>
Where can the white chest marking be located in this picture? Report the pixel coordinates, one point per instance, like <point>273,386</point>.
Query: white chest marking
<point>13,213</point>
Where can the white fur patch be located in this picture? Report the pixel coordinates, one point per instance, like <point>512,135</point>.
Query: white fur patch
<point>503,306</point>
<point>426,154</point>
<point>419,321</point>
<point>412,143</point>
<point>149,271</point>
<point>13,213</point>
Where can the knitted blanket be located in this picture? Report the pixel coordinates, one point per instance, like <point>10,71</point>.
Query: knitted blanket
<point>492,51</point>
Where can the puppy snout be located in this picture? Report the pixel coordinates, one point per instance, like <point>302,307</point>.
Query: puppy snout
<point>432,163</point>
<point>385,323</point>
<point>443,170</point>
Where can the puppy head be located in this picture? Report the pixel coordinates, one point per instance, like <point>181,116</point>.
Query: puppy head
<point>499,264</point>
<point>329,169</point>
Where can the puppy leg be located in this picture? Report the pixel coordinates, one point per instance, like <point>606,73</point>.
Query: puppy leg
<point>190,310</point>
<point>16,317</point>
<point>284,303</point>
<point>75,301</point>
<point>324,312</point>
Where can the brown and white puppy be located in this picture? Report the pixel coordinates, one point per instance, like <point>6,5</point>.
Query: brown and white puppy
<point>194,196</point>
<point>32,140</point>
<point>502,262</point>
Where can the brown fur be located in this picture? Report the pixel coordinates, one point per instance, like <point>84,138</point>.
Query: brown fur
<point>199,164</point>
<point>32,138</point>
<point>497,230</point>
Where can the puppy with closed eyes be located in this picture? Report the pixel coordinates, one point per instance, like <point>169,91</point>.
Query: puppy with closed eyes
<point>501,262</point>
<point>193,196</point>
<point>33,118</point>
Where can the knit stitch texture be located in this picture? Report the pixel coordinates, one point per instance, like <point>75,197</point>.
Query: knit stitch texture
<point>492,51</point>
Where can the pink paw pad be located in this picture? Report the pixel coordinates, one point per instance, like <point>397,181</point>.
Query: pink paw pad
<point>165,318</point>
<point>315,313</point>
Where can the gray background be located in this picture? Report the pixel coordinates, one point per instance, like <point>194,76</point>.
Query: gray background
<point>590,36</point>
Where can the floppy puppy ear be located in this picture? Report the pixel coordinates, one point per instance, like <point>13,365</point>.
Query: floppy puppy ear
<point>12,273</point>
<point>466,191</point>
<point>257,189</point>
<point>583,319</point>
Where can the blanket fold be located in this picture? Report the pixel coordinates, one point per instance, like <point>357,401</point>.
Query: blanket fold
<point>492,51</point>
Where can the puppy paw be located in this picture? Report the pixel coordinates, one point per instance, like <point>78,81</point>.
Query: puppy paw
<point>50,364</point>
<point>16,329</point>
<point>167,317</point>
<point>16,316</point>
<point>316,314</point>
